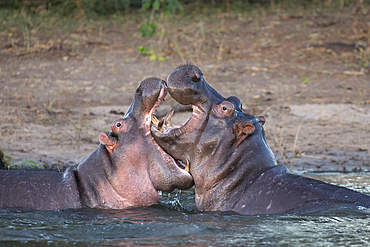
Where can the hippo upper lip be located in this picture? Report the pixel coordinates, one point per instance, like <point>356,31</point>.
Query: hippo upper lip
<point>161,96</point>
<point>163,92</point>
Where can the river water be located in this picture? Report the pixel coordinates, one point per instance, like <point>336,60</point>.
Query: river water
<point>175,222</point>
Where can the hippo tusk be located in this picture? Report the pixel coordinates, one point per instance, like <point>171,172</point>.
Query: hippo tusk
<point>164,122</point>
<point>168,117</point>
<point>155,120</point>
<point>187,167</point>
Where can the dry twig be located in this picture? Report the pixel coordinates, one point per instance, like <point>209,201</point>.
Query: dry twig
<point>219,57</point>
<point>295,144</point>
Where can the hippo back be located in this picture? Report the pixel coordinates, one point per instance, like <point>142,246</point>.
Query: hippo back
<point>39,190</point>
<point>279,191</point>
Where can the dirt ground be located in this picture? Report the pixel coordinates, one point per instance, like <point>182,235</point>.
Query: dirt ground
<point>305,71</point>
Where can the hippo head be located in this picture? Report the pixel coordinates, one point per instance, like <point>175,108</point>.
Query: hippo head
<point>135,156</point>
<point>224,147</point>
<point>188,87</point>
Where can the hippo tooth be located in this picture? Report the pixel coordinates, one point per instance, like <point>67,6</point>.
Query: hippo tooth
<point>168,117</point>
<point>160,125</point>
<point>187,167</point>
<point>164,122</point>
<point>155,120</point>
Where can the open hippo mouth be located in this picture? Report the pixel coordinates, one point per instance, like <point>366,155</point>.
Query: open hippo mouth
<point>164,125</point>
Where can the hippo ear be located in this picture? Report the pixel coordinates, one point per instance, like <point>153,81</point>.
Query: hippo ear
<point>242,131</point>
<point>108,141</point>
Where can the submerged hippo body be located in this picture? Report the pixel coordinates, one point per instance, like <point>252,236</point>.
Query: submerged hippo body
<point>232,166</point>
<point>126,170</point>
<point>39,190</point>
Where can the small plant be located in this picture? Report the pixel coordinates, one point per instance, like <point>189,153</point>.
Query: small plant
<point>283,80</point>
<point>7,161</point>
<point>363,56</point>
<point>167,6</point>
<point>143,50</point>
<point>305,80</point>
<point>29,163</point>
<point>152,56</point>
<point>78,130</point>
<point>4,159</point>
<point>147,29</point>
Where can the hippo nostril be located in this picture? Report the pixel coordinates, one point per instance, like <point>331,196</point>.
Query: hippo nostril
<point>195,78</point>
<point>194,75</point>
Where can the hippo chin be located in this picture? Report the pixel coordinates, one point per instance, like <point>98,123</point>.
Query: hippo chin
<point>232,166</point>
<point>127,169</point>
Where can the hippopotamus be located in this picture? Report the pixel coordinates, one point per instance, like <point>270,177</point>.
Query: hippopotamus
<point>231,163</point>
<point>127,169</point>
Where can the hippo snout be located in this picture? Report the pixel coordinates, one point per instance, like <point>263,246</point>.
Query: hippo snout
<point>260,119</point>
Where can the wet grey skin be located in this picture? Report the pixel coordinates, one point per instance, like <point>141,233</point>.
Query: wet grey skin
<point>128,168</point>
<point>231,163</point>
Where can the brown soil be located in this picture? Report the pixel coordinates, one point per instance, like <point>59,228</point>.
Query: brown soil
<point>301,71</point>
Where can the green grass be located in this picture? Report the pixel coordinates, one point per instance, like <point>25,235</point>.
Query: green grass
<point>9,162</point>
<point>56,21</point>
<point>52,23</point>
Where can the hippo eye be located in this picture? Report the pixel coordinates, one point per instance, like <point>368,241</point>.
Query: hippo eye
<point>226,108</point>
<point>120,126</point>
